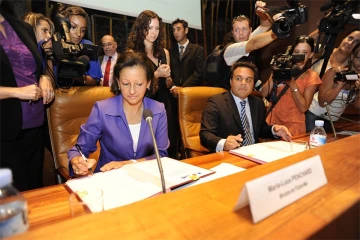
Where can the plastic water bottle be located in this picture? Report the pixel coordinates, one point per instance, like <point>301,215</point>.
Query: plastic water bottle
<point>13,207</point>
<point>318,134</point>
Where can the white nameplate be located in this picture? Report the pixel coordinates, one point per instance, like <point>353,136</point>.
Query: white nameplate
<point>276,190</point>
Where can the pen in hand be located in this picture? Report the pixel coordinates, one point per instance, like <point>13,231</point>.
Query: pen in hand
<point>83,156</point>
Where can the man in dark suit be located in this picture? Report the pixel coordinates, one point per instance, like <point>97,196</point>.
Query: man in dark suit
<point>186,59</point>
<point>223,125</point>
<point>109,46</point>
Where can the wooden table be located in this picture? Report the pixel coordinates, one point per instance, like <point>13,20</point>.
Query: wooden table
<point>50,204</point>
<point>206,211</point>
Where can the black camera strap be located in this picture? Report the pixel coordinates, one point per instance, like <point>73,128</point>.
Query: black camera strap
<point>283,91</point>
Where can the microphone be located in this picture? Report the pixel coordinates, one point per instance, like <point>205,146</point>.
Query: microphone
<point>258,85</point>
<point>326,6</point>
<point>84,60</point>
<point>331,122</point>
<point>148,116</point>
<point>64,23</point>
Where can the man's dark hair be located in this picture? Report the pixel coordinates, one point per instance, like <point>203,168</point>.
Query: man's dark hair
<point>245,65</point>
<point>182,21</point>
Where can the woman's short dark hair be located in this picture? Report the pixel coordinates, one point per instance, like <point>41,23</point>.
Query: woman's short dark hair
<point>245,65</point>
<point>131,59</point>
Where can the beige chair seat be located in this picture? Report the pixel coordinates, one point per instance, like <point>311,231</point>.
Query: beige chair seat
<point>192,101</point>
<point>70,109</point>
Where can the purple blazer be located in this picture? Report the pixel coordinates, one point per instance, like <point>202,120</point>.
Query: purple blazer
<point>108,124</point>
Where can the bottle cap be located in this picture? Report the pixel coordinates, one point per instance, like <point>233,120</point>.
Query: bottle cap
<point>319,123</point>
<point>5,177</point>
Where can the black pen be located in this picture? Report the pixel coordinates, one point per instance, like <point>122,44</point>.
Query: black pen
<point>83,156</point>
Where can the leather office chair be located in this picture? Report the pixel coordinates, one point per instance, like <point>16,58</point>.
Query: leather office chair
<point>68,112</point>
<point>192,101</point>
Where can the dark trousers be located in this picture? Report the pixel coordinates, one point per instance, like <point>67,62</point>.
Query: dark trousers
<point>25,157</point>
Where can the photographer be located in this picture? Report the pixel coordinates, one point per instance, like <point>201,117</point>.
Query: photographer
<point>292,105</point>
<point>337,92</point>
<point>78,22</point>
<point>244,39</point>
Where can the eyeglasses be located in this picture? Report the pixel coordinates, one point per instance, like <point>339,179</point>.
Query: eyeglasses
<point>107,45</point>
<point>306,38</point>
<point>241,17</point>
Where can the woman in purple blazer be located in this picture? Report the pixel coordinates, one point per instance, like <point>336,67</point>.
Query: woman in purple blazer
<point>118,122</point>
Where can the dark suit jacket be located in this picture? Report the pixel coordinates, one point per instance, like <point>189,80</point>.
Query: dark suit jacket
<point>187,72</point>
<point>221,118</point>
<point>10,109</point>
<point>101,58</point>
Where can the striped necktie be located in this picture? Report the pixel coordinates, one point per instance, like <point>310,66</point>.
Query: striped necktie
<point>181,52</point>
<point>247,139</point>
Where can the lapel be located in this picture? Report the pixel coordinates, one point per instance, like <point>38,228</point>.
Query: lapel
<point>187,51</point>
<point>231,105</point>
<point>4,58</point>
<point>23,34</point>
<point>101,58</point>
<point>253,111</point>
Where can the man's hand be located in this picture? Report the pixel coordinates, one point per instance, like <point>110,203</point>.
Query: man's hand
<point>265,19</point>
<point>232,142</point>
<point>175,91</point>
<point>283,132</point>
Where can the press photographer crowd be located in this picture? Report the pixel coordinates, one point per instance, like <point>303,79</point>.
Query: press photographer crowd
<point>40,56</point>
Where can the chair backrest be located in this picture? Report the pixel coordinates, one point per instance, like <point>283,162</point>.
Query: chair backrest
<point>192,101</point>
<point>70,109</point>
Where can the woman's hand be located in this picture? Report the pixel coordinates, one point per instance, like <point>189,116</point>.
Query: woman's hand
<point>80,166</point>
<point>114,165</point>
<point>163,71</point>
<point>46,89</point>
<point>31,92</point>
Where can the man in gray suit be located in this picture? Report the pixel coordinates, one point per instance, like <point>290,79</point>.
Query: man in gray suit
<point>108,61</point>
<point>223,125</point>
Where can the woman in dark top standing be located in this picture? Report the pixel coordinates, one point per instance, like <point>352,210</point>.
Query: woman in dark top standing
<point>147,35</point>
<point>23,93</point>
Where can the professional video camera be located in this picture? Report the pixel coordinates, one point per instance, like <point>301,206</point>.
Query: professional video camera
<point>71,60</point>
<point>346,76</point>
<point>283,66</point>
<point>294,14</point>
<point>335,21</point>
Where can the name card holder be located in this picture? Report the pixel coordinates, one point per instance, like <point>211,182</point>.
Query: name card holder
<point>274,191</point>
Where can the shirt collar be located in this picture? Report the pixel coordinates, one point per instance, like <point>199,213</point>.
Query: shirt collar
<point>185,45</point>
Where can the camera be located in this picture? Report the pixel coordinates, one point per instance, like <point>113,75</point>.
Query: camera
<point>283,66</point>
<point>71,60</point>
<point>295,14</point>
<point>335,20</point>
<point>346,76</point>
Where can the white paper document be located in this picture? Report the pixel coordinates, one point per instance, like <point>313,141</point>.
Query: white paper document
<point>264,152</point>
<point>137,181</point>
<point>221,170</point>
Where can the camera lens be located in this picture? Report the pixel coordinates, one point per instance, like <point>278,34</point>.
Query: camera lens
<point>282,28</point>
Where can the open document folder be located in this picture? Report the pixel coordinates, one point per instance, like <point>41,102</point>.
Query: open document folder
<point>137,181</point>
<point>264,152</point>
